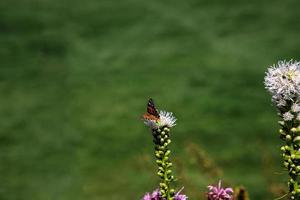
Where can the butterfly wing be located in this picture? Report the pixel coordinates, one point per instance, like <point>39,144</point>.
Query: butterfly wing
<point>152,113</point>
<point>151,109</point>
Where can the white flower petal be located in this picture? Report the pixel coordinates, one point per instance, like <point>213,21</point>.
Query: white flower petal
<point>283,81</point>
<point>166,119</point>
<point>288,116</point>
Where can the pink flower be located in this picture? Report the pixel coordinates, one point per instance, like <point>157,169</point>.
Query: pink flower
<point>179,196</point>
<point>219,193</point>
<point>154,196</point>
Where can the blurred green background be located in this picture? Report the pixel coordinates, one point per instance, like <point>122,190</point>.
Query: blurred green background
<point>75,77</point>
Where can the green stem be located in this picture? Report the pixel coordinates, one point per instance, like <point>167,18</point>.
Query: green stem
<point>290,133</point>
<point>162,153</point>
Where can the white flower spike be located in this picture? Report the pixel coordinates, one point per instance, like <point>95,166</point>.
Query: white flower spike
<point>283,81</point>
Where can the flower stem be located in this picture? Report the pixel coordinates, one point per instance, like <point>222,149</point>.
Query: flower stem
<point>290,133</point>
<point>162,140</point>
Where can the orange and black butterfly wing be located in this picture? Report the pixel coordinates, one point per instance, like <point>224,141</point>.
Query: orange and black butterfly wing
<point>151,109</point>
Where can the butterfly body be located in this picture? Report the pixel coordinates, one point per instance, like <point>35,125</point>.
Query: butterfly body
<point>152,113</point>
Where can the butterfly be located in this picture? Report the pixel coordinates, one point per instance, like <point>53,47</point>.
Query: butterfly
<point>152,113</point>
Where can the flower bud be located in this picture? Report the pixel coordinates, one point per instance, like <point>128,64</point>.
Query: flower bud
<point>172,191</point>
<point>160,174</point>
<point>294,130</point>
<point>168,153</point>
<point>166,129</point>
<point>293,165</point>
<point>297,140</point>
<point>159,162</point>
<point>286,164</point>
<point>288,137</point>
<point>163,185</point>
<point>169,165</point>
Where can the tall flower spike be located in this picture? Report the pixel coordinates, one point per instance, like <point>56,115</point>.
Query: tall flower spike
<point>160,123</point>
<point>219,193</point>
<point>283,82</point>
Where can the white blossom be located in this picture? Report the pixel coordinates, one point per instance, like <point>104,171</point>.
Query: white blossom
<point>295,108</point>
<point>283,80</point>
<point>288,116</point>
<point>166,119</point>
<point>298,117</point>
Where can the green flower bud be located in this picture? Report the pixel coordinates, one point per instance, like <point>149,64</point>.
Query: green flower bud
<point>168,153</point>
<point>169,165</point>
<point>172,191</point>
<point>293,165</point>
<point>286,164</point>
<point>294,130</point>
<point>287,147</point>
<point>163,133</point>
<point>159,162</point>
<point>283,155</point>
<point>160,174</point>
<point>297,140</point>
<point>166,129</point>
<point>162,148</point>
<point>288,137</point>
<point>281,123</point>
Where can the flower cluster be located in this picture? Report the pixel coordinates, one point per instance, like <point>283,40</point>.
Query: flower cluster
<point>219,193</point>
<point>157,196</point>
<point>166,119</point>
<point>154,196</point>
<point>160,124</point>
<point>282,80</point>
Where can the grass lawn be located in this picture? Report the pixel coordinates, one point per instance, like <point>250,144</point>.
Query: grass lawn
<point>75,77</point>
